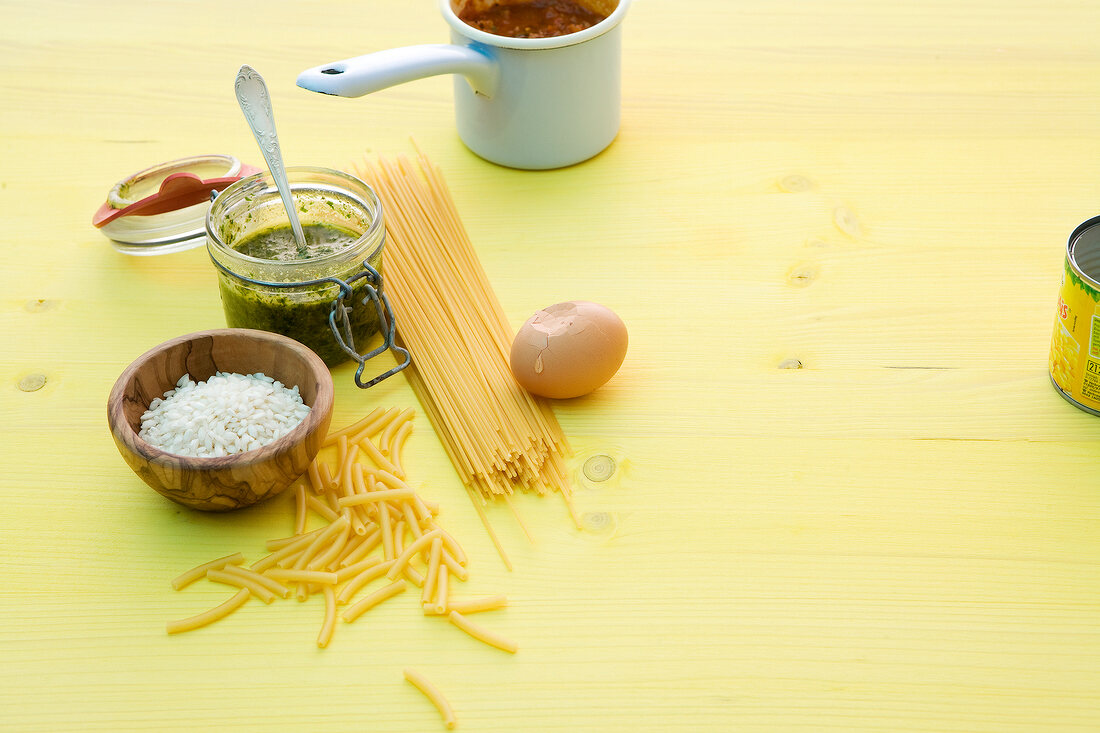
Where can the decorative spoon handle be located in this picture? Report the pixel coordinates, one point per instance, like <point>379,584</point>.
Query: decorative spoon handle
<point>256,104</point>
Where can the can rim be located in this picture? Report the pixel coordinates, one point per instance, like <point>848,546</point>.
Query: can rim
<point>1071,251</point>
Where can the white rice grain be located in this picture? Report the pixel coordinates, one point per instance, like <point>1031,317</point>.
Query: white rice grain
<point>228,413</point>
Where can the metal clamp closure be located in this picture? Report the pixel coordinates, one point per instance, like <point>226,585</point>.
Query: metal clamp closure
<point>386,320</point>
<point>339,321</point>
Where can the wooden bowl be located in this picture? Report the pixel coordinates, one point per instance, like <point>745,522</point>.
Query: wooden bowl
<point>234,481</point>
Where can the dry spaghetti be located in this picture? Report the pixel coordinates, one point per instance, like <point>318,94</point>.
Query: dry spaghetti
<point>498,436</point>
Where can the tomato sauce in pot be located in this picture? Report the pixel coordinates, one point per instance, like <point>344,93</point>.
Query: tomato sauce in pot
<point>533,19</point>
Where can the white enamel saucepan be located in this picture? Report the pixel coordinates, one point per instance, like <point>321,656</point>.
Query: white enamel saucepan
<point>533,103</point>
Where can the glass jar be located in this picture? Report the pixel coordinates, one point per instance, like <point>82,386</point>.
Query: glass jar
<point>161,209</point>
<point>330,300</point>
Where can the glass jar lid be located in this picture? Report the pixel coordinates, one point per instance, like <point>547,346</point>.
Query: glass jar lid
<point>162,209</point>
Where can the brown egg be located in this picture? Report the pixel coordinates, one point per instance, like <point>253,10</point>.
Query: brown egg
<point>568,349</point>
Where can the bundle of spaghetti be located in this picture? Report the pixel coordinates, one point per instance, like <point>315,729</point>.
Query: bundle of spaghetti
<point>375,529</point>
<point>498,436</point>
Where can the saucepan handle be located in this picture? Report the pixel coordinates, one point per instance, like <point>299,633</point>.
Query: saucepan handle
<point>361,75</point>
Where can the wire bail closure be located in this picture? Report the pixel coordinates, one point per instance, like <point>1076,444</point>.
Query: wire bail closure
<point>338,317</point>
<point>386,320</point>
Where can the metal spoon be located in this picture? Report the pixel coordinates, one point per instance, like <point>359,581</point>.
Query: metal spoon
<point>256,104</point>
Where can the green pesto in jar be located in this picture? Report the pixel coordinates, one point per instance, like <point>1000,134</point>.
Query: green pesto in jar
<point>278,244</point>
<point>302,313</point>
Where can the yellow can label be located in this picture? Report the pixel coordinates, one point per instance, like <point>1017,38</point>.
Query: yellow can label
<point>1075,345</point>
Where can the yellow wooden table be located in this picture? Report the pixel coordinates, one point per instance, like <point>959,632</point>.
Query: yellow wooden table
<point>846,495</point>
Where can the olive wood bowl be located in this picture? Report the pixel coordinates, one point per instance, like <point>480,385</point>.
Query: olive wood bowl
<point>238,480</point>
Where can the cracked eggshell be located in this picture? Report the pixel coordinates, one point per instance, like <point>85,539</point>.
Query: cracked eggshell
<point>568,349</point>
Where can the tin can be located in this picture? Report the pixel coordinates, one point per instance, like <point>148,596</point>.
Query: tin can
<point>1075,343</point>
